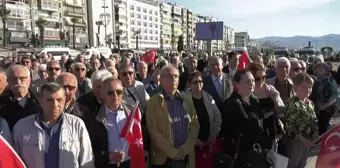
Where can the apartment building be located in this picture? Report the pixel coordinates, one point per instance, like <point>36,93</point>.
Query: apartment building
<point>144,24</point>
<point>241,39</point>
<point>166,27</point>
<point>74,15</point>
<point>229,38</point>
<point>121,24</point>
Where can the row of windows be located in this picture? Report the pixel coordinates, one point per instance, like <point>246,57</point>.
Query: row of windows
<point>19,13</point>
<point>132,7</point>
<point>146,42</point>
<point>147,37</point>
<point>75,10</point>
<point>50,5</point>
<point>145,24</point>
<point>145,17</point>
<point>145,31</point>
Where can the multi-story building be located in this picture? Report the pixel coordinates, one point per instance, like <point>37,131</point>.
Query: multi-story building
<point>165,27</point>
<point>121,24</point>
<point>18,23</point>
<point>176,25</point>
<point>74,16</point>
<point>241,39</point>
<point>144,24</point>
<point>229,38</point>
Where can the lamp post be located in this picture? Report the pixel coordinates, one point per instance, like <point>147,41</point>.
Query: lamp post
<point>105,18</point>
<point>137,33</point>
<point>98,23</point>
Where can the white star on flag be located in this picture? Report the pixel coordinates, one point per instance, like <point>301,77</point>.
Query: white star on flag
<point>333,148</point>
<point>138,142</point>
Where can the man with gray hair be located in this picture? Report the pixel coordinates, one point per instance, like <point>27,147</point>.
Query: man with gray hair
<point>19,102</point>
<point>3,82</point>
<point>281,81</point>
<point>93,100</point>
<point>84,83</point>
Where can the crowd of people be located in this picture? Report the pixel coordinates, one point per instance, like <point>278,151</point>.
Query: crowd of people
<point>197,112</point>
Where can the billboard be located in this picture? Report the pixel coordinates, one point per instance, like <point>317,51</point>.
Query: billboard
<point>209,31</point>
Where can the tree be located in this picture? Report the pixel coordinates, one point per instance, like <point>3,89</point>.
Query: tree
<point>4,13</point>
<point>74,21</point>
<point>118,34</point>
<point>41,23</point>
<point>180,44</point>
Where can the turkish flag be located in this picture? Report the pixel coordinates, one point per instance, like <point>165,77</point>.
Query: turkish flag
<point>244,61</point>
<point>149,56</point>
<point>132,131</point>
<point>329,154</point>
<point>8,157</point>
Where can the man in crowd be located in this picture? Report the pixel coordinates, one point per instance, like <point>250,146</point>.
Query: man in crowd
<point>53,70</point>
<point>233,61</point>
<point>109,149</point>
<point>26,61</point>
<point>59,138</point>
<point>191,65</point>
<point>172,124</point>
<point>84,83</point>
<point>142,75</point>
<point>95,64</point>
<point>19,102</point>
<point>3,82</point>
<point>295,68</point>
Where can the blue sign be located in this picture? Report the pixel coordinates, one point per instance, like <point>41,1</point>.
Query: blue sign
<point>209,31</point>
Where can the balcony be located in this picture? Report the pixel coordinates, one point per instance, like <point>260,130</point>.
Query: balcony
<point>75,13</point>
<point>80,23</point>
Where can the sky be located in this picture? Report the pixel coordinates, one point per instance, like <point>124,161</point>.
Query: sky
<point>262,18</point>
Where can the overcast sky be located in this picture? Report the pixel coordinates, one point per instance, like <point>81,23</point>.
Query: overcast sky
<point>272,17</point>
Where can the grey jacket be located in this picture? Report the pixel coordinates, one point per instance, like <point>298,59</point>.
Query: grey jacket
<point>75,150</point>
<point>214,113</point>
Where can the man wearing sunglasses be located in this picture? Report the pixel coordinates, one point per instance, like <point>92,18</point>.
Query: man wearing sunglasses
<point>53,70</point>
<point>84,83</point>
<point>27,62</point>
<point>109,149</point>
<point>295,67</point>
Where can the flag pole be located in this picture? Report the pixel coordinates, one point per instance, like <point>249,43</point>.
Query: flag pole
<point>130,124</point>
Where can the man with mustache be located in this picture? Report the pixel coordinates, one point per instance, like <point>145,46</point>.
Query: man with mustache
<point>19,102</point>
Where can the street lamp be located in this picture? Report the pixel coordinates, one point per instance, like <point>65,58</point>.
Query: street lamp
<point>98,23</point>
<point>137,33</point>
<point>105,18</point>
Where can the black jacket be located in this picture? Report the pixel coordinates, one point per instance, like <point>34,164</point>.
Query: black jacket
<point>90,101</point>
<point>12,112</point>
<point>242,120</point>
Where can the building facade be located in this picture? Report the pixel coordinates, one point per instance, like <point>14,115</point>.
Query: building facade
<point>166,26</point>
<point>229,38</point>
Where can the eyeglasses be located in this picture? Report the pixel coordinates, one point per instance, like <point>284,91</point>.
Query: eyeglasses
<point>260,78</point>
<point>111,92</point>
<point>130,73</point>
<point>80,69</point>
<point>22,78</point>
<point>53,69</point>
<point>69,87</point>
<point>197,82</point>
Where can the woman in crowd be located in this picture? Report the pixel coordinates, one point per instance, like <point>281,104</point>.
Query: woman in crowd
<point>300,122</point>
<point>270,101</point>
<point>243,129</point>
<point>209,118</point>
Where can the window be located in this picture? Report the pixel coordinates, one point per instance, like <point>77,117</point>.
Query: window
<point>145,17</point>
<point>145,24</point>
<point>156,38</point>
<point>156,31</point>
<point>150,12</point>
<point>132,29</point>
<point>132,14</point>
<point>139,16</point>
<point>145,30</point>
<point>132,7</point>
<point>156,19</point>
<point>132,22</point>
<point>150,31</point>
<point>144,10</point>
<point>156,25</point>
<point>138,9</point>
<point>150,18</point>
<point>139,23</point>
<point>156,13</point>
<point>145,37</point>
<point>150,24</point>
<point>151,38</point>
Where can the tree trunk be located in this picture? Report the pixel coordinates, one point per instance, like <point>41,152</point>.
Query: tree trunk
<point>118,42</point>
<point>74,35</point>
<point>4,31</point>
<point>98,42</point>
<point>42,35</point>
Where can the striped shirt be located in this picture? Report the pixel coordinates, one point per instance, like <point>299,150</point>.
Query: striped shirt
<point>179,118</point>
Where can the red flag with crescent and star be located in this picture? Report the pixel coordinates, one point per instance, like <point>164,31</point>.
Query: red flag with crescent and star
<point>149,57</point>
<point>132,131</point>
<point>244,61</point>
<point>8,157</point>
<point>329,154</point>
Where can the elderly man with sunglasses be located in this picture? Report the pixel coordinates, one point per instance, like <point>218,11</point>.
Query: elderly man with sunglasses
<point>84,83</point>
<point>110,150</point>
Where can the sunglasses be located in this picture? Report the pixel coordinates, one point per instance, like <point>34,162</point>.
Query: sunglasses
<point>80,69</point>
<point>53,69</point>
<point>130,73</point>
<point>69,87</point>
<point>197,82</point>
<point>111,92</point>
<point>260,78</point>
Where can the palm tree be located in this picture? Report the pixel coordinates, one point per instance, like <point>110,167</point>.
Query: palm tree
<point>74,21</point>
<point>41,23</point>
<point>4,13</point>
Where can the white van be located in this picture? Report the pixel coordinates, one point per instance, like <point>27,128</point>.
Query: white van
<point>56,52</point>
<point>105,51</point>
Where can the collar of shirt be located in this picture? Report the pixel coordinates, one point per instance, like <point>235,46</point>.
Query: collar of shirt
<point>45,125</point>
<point>214,78</point>
<point>110,112</point>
